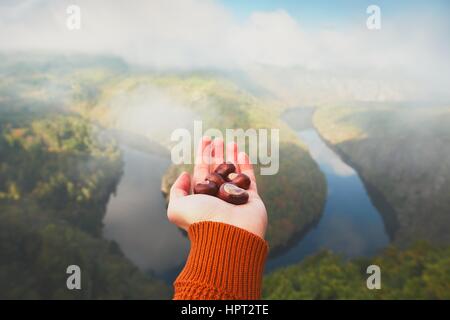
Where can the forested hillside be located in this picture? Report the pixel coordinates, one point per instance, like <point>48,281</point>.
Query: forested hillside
<point>60,163</point>
<point>57,172</point>
<point>294,196</point>
<point>420,272</point>
<point>402,155</point>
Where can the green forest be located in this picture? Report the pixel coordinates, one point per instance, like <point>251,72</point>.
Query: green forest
<point>400,153</point>
<point>420,272</point>
<point>57,172</point>
<point>60,163</point>
<point>56,176</point>
<point>219,103</point>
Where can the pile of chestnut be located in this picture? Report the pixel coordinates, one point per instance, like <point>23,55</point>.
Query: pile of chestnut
<point>226,184</point>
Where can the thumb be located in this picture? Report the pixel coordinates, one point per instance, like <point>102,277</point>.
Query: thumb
<point>181,186</point>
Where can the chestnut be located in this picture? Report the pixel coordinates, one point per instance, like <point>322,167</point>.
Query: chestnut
<point>239,179</point>
<point>225,169</point>
<point>206,187</point>
<point>216,178</point>
<point>233,194</point>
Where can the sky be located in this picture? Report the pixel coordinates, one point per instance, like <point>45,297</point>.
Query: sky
<point>322,45</point>
<point>311,13</point>
<point>325,12</point>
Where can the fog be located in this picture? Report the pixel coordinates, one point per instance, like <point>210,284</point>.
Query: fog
<point>150,112</point>
<point>406,60</point>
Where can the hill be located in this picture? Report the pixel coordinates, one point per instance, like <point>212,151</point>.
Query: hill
<point>401,154</point>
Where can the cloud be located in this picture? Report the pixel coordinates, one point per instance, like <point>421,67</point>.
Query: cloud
<point>165,34</point>
<point>406,60</point>
<point>272,38</point>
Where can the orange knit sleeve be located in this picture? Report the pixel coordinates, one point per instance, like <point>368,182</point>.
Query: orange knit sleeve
<point>225,262</point>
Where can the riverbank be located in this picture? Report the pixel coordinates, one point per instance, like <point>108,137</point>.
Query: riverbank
<point>349,225</point>
<point>412,183</point>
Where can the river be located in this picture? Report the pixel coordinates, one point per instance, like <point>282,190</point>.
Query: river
<point>350,224</point>
<point>136,215</point>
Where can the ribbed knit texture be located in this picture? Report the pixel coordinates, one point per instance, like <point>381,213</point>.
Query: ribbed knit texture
<point>225,262</point>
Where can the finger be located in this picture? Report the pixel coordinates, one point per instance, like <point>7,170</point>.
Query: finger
<point>217,153</point>
<point>181,186</point>
<point>202,160</point>
<point>232,154</point>
<point>246,167</point>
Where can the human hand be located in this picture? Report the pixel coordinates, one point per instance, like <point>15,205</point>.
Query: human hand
<point>185,208</point>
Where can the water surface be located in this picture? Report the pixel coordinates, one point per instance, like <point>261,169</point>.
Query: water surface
<point>136,217</point>
<point>350,224</point>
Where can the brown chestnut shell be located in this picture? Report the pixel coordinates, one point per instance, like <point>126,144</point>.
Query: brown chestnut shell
<point>225,169</point>
<point>216,178</point>
<point>206,187</point>
<point>233,194</point>
<point>240,179</point>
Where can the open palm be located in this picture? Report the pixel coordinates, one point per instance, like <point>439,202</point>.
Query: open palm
<point>185,208</point>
